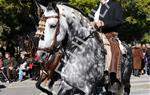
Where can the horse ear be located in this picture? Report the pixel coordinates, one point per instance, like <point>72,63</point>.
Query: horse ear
<point>51,5</point>
<point>43,2</point>
<point>54,5</point>
<point>42,7</point>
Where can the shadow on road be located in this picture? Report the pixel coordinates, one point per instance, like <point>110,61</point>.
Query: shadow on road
<point>2,86</point>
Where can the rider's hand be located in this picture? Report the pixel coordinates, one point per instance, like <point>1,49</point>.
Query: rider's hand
<point>99,23</point>
<point>92,24</point>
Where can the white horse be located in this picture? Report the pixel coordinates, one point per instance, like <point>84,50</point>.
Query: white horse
<point>84,53</point>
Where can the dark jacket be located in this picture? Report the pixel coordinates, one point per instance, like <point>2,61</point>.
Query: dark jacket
<point>12,62</point>
<point>148,56</point>
<point>20,61</point>
<point>113,17</point>
<point>43,2</point>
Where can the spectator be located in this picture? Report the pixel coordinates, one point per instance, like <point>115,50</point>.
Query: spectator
<point>22,63</point>
<point>2,50</point>
<point>35,68</point>
<point>147,67</point>
<point>30,72</point>
<point>143,46</point>
<point>137,59</point>
<point>10,65</point>
<point>2,78</point>
<point>1,60</point>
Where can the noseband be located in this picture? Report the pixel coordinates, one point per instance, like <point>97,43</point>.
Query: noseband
<point>41,28</point>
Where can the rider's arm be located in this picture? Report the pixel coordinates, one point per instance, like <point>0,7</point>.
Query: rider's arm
<point>115,18</point>
<point>112,18</point>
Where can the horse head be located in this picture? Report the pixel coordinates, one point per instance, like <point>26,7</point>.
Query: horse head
<point>60,20</point>
<point>53,27</point>
<point>85,64</point>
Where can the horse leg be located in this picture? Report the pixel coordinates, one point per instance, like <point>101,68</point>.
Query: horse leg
<point>45,81</point>
<point>52,74</point>
<point>38,85</point>
<point>127,87</point>
<point>126,81</point>
<point>70,92</point>
<point>54,78</point>
<point>65,89</point>
<point>75,91</point>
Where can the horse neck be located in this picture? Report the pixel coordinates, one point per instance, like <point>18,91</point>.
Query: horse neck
<point>79,31</point>
<point>75,20</point>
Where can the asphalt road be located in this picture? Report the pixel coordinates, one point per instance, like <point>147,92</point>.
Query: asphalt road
<point>139,86</point>
<point>26,87</point>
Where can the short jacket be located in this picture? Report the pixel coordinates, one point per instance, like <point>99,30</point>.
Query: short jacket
<point>111,14</point>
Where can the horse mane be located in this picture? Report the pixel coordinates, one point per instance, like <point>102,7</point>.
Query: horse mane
<point>69,5</point>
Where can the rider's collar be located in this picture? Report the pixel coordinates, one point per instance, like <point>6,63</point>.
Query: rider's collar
<point>106,1</point>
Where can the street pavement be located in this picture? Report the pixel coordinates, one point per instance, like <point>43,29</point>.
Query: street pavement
<point>26,87</point>
<point>139,86</point>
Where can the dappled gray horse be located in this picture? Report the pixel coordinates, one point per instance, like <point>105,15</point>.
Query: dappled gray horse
<point>68,29</point>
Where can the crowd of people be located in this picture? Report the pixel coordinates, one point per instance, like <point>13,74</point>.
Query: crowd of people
<point>141,59</point>
<point>14,68</point>
<point>17,68</point>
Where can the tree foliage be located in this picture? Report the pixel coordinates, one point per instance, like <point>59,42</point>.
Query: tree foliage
<point>85,5</point>
<point>136,16</point>
<point>16,17</point>
<point>20,16</point>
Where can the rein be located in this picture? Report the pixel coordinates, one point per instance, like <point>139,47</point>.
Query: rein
<point>86,38</point>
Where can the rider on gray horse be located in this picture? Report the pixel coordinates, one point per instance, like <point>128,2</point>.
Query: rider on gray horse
<point>107,17</point>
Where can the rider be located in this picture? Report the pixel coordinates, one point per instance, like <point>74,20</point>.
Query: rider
<point>107,17</point>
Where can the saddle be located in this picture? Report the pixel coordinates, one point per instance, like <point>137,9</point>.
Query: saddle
<point>115,65</point>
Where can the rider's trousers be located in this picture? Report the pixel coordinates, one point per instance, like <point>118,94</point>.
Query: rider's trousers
<point>109,45</point>
<point>108,50</point>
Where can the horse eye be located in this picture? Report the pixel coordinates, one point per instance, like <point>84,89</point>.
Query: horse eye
<point>52,26</point>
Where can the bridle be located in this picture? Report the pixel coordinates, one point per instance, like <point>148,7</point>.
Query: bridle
<point>41,28</point>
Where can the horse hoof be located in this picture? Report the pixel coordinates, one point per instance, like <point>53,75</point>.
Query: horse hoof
<point>115,87</point>
<point>43,93</point>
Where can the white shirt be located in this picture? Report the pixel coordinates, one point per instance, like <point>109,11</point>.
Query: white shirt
<point>97,13</point>
<point>104,1</point>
